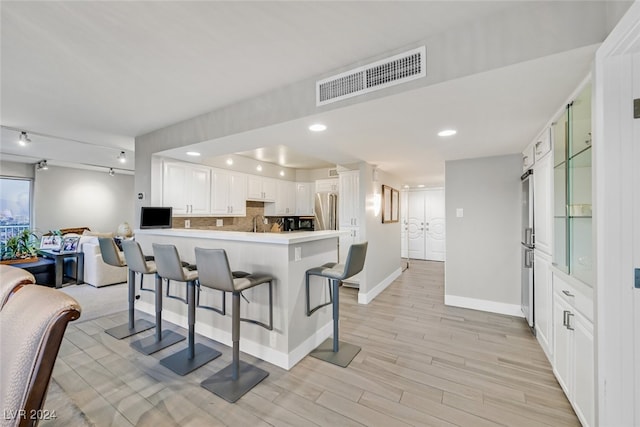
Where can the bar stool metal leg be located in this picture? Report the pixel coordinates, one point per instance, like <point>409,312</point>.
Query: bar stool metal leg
<point>195,355</point>
<point>234,381</point>
<point>134,325</point>
<point>332,350</point>
<point>161,339</point>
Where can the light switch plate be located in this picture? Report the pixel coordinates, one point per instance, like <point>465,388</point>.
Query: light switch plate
<point>187,223</point>
<point>459,213</point>
<point>298,253</point>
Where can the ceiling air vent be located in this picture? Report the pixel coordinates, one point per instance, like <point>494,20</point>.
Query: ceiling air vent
<point>387,72</point>
<point>333,173</point>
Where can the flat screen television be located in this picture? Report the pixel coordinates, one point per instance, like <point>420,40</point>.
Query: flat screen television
<point>155,217</point>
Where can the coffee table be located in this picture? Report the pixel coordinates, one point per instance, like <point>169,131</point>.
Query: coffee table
<point>59,258</point>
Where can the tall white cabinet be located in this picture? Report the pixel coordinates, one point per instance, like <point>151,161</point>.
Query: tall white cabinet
<point>349,216</point>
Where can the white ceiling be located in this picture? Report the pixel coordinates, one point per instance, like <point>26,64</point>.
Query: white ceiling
<point>104,72</point>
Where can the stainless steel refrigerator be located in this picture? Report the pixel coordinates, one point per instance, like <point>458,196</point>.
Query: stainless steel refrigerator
<point>526,248</point>
<point>326,211</point>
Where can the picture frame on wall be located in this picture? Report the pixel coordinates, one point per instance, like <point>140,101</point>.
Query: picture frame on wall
<point>51,243</point>
<point>390,204</point>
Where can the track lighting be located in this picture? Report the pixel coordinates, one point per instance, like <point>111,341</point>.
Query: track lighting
<point>122,157</point>
<point>111,172</point>
<point>24,139</point>
<point>42,165</point>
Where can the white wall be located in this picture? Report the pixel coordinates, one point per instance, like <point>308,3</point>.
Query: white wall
<point>67,197</point>
<point>483,247</point>
<point>383,263</point>
<point>16,170</point>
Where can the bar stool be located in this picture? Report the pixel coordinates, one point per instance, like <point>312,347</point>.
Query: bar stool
<point>232,382</point>
<point>332,350</point>
<point>111,256</point>
<point>170,268</point>
<point>138,263</point>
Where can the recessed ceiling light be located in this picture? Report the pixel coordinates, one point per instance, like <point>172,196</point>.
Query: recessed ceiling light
<point>317,127</point>
<point>420,185</point>
<point>122,157</point>
<point>259,168</point>
<point>193,153</point>
<point>447,132</point>
<point>229,161</point>
<point>405,186</point>
<point>281,173</point>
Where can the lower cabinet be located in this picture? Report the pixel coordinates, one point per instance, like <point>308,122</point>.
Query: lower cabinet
<point>573,361</point>
<point>543,297</point>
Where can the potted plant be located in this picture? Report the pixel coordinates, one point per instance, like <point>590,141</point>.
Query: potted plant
<point>20,248</point>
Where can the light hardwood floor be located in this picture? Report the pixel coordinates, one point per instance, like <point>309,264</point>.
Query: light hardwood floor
<point>421,364</point>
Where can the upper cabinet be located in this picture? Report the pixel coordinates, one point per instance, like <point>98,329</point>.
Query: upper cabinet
<point>228,193</point>
<point>186,187</point>
<point>542,193</point>
<point>349,195</point>
<point>329,185</point>
<point>261,189</point>
<point>285,201</point>
<point>573,249</point>
<point>527,158</point>
<point>304,198</point>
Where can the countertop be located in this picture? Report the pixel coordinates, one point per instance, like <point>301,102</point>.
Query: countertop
<point>283,238</point>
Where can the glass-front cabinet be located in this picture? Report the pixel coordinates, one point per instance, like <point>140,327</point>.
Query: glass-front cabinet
<point>573,249</point>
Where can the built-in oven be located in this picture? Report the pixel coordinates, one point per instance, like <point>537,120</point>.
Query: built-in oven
<point>305,223</point>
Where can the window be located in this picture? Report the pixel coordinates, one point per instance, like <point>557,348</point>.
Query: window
<point>15,206</point>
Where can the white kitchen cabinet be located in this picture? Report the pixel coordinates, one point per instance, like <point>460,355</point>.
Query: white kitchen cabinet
<point>574,347</point>
<point>304,198</point>
<point>543,202</point>
<point>285,200</point>
<point>327,185</point>
<point>528,158</point>
<point>543,297</point>
<point>349,199</point>
<point>261,189</point>
<point>229,193</point>
<point>186,187</point>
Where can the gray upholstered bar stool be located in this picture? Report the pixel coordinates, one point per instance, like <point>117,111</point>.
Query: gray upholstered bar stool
<point>332,350</point>
<point>138,263</point>
<point>112,256</point>
<point>171,268</point>
<point>232,382</point>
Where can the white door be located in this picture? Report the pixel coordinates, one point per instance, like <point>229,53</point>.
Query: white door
<point>404,242</point>
<point>434,225</point>
<point>415,226</point>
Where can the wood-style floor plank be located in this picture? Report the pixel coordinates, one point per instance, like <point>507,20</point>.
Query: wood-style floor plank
<point>422,364</point>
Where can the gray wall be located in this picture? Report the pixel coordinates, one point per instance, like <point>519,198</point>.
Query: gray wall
<point>67,197</point>
<point>16,170</point>
<point>483,247</point>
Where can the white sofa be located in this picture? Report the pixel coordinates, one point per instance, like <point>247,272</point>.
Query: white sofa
<point>96,272</point>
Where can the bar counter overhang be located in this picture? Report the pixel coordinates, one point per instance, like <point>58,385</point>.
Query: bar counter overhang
<point>286,256</point>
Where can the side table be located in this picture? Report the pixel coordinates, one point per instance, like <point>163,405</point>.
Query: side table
<point>59,258</point>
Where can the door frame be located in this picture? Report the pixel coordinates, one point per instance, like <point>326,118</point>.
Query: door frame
<point>617,209</point>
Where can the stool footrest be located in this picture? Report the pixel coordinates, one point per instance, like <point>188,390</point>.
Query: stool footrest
<point>222,383</point>
<point>222,310</point>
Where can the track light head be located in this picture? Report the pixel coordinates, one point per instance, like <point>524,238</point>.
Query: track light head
<point>111,172</point>
<point>122,157</point>
<point>42,165</point>
<point>23,139</point>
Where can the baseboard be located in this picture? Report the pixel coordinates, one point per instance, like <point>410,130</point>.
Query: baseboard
<point>367,297</point>
<point>484,305</point>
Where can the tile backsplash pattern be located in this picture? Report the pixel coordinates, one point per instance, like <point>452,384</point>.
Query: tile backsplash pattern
<point>230,224</point>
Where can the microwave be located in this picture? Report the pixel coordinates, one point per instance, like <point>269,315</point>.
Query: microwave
<point>305,223</point>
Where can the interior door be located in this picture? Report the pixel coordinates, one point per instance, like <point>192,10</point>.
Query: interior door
<point>434,225</point>
<point>415,226</point>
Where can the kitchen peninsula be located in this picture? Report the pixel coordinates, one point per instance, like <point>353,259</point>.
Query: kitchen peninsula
<point>285,256</point>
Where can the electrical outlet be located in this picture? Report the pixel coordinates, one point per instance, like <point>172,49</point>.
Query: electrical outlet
<point>298,253</point>
<point>219,223</point>
<point>187,223</point>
